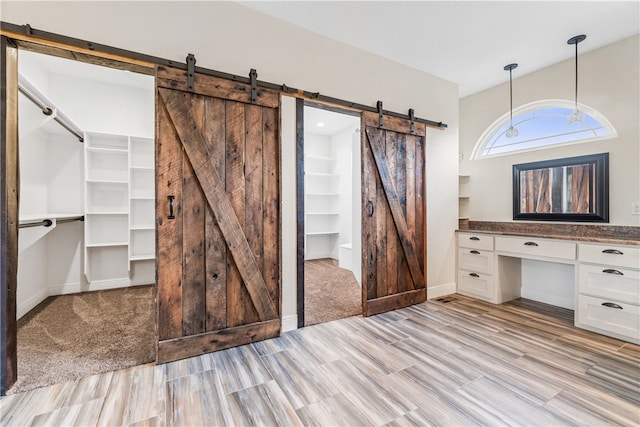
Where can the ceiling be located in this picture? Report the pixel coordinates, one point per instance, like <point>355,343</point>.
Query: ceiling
<point>85,71</point>
<point>466,42</point>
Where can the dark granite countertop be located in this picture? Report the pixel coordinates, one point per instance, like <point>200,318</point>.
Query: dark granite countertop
<point>607,234</point>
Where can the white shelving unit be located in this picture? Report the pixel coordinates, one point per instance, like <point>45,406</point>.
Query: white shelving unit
<point>119,208</point>
<point>106,207</point>
<point>322,198</point>
<point>141,202</point>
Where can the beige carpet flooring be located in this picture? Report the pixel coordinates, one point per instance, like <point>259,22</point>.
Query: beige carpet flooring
<point>72,336</point>
<point>330,292</point>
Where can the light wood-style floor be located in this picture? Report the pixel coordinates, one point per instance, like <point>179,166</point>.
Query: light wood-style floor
<point>462,362</point>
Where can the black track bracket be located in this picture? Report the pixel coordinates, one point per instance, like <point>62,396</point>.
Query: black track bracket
<point>412,117</point>
<point>253,78</point>
<point>191,72</point>
<point>380,113</point>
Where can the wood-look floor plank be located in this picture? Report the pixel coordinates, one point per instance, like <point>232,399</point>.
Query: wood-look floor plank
<point>463,362</point>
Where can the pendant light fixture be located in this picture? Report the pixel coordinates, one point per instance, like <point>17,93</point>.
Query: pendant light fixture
<point>511,132</point>
<point>576,115</point>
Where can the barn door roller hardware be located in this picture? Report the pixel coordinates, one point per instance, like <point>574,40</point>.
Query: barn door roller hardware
<point>412,117</point>
<point>380,113</point>
<point>191,72</point>
<point>253,79</point>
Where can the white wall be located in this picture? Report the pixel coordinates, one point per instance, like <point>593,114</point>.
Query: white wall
<point>105,108</point>
<point>229,37</point>
<point>608,81</point>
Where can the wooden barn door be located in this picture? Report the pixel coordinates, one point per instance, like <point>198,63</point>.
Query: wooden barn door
<point>393,214</point>
<point>218,215</point>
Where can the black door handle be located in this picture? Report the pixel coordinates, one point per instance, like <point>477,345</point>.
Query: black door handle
<point>474,275</point>
<point>171,215</point>
<point>530,244</point>
<point>370,208</point>
<point>474,252</point>
<point>474,238</point>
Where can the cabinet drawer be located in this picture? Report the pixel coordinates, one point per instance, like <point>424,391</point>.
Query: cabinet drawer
<point>475,241</point>
<point>621,256</point>
<point>538,247</point>
<point>623,320</point>
<point>475,260</point>
<point>475,284</point>
<point>615,283</point>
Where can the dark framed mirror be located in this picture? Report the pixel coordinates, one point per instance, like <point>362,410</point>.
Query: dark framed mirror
<point>574,189</point>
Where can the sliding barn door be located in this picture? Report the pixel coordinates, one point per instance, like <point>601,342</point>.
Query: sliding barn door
<point>218,215</point>
<point>393,214</point>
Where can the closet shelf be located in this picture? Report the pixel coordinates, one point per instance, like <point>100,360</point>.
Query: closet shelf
<point>323,158</point>
<point>142,168</point>
<point>322,175</point>
<point>106,244</point>
<point>142,257</point>
<point>107,181</point>
<point>324,194</point>
<point>323,213</point>
<point>107,213</point>
<point>120,151</point>
<point>39,217</point>
<point>320,233</point>
<point>142,227</point>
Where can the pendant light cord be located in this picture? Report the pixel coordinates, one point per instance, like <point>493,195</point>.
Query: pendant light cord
<point>576,91</point>
<point>510,97</point>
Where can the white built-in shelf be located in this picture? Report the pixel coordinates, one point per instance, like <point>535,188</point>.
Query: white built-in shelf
<point>142,168</point>
<point>143,198</point>
<point>142,257</point>
<point>107,213</point>
<point>41,217</point>
<point>324,194</point>
<point>322,175</point>
<point>323,213</point>
<point>107,181</point>
<point>463,197</point>
<point>142,227</point>
<point>321,233</point>
<point>105,244</point>
<point>104,150</point>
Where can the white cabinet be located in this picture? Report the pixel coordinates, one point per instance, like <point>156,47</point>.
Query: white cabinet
<point>609,290</point>
<point>119,215</point>
<point>475,266</point>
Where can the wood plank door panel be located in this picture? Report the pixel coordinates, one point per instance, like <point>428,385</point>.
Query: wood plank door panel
<point>218,218</point>
<point>393,222</point>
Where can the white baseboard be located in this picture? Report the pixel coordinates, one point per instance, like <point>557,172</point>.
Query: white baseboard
<point>290,323</point>
<point>31,302</point>
<point>441,290</point>
<point>96,285</point>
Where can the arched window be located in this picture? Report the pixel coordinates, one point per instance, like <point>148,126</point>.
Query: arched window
<point>542,124</point>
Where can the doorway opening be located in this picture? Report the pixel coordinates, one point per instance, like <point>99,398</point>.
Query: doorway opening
<point>332,237</point>
<point>86,239</point>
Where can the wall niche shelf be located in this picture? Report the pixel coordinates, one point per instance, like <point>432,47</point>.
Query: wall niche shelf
<point>463,202</point>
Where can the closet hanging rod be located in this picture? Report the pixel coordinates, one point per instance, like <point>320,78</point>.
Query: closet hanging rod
<point>48,223</point>
<point>33,95</point>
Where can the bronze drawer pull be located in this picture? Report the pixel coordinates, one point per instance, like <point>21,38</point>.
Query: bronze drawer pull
<point>612,305</point>
<point>474,238</point>
<point>474,275</point>
<point>612,271</point>
<point>612,251</point>
<point>530,244</point>
<point>474,252</point>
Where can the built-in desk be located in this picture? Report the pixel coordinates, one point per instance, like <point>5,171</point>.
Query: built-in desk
<point>603,277</point>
